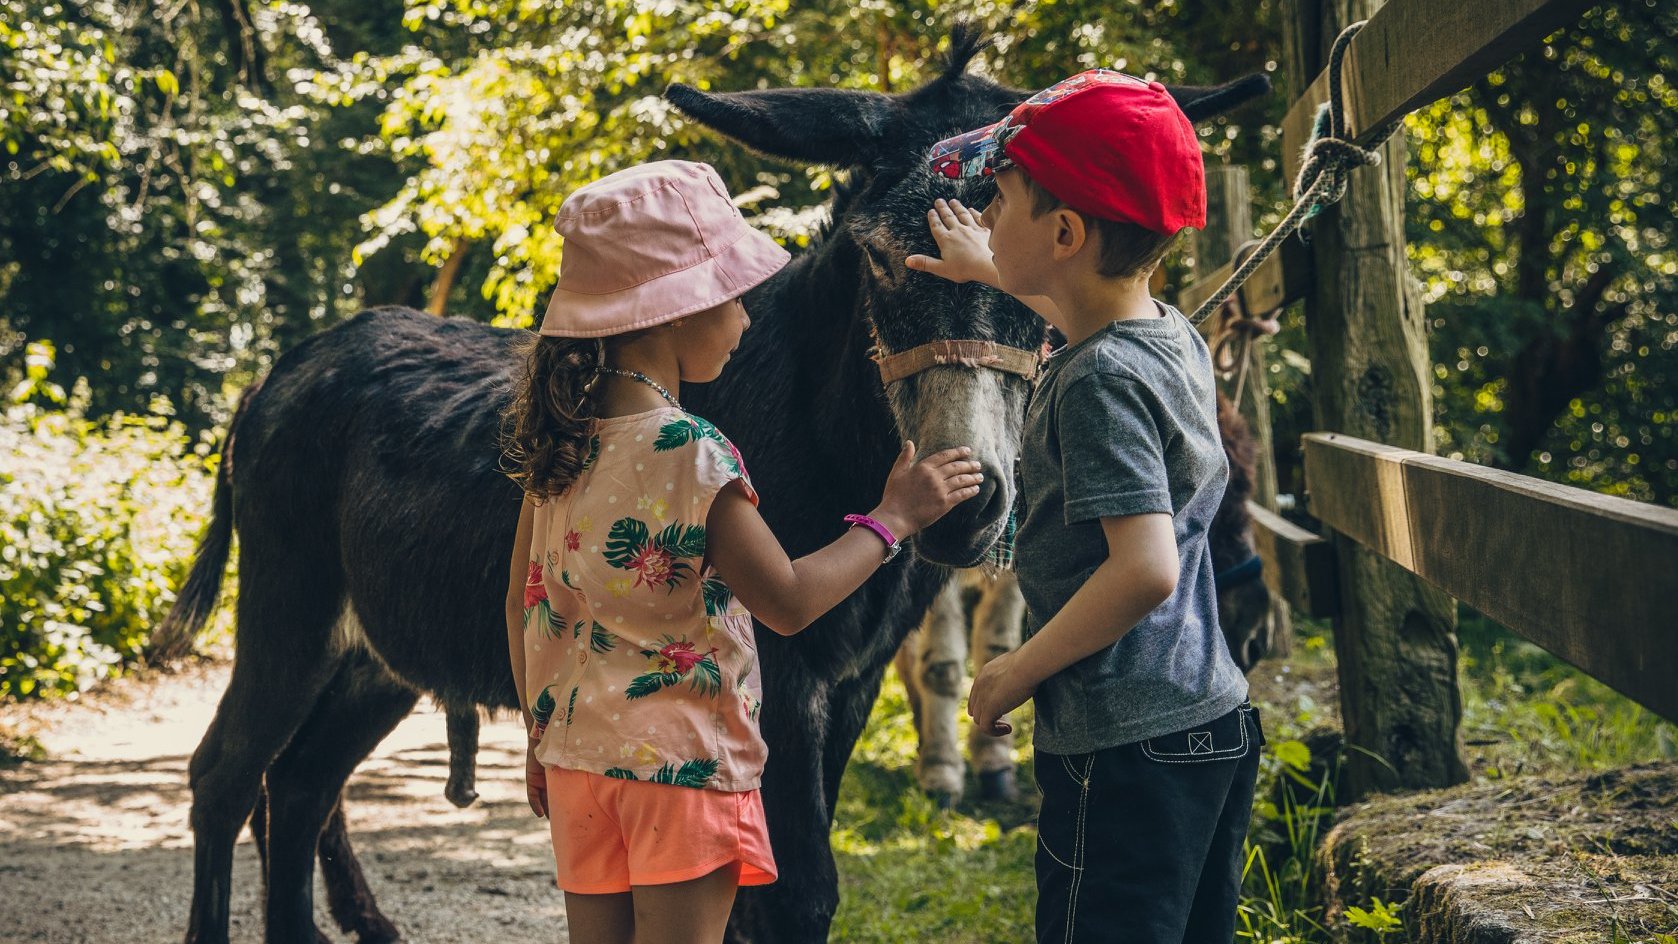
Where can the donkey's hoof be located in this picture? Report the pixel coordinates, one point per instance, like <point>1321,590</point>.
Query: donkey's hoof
<point>944,799</point>
<point>998,785</point>
<point>460,795</point>
<point>377,929</point>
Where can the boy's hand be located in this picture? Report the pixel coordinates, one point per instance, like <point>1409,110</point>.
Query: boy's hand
<point>999,688</point>
<point>963,242</point>
<point>535,781</point>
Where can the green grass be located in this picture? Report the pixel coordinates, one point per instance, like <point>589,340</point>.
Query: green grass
<point>1526,711</point>
<point>910,872</point>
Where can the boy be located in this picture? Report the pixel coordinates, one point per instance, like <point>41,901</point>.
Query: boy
<point>1146,747</point>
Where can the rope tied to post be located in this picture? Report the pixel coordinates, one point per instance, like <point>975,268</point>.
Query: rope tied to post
<point>1329,158</point>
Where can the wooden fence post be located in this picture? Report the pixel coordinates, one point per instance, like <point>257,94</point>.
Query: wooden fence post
<point>1395,637</point>
<point>1229,223</point>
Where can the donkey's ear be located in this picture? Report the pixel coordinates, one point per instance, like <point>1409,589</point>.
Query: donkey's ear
<point>1202,102</point>
<point>836,127</point>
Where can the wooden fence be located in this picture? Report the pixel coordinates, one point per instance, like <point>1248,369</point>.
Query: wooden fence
<point>1591,578</point>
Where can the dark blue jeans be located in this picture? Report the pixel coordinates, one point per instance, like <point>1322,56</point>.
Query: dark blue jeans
<point>1142,843</point>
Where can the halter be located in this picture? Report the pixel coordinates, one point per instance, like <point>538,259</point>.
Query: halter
<point>1247,571</point>
<point>972,354</point>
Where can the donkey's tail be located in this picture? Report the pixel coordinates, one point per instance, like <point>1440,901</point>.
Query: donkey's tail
<point>172,639</point>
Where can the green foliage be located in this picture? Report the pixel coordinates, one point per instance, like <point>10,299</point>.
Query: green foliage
<point>910,873</point>
<point>168,226</point>
<point>1380,917</point>
<point>98,520</point>
<point>1541,224</point>
<point>538,99</point>
<point>1526,711</point>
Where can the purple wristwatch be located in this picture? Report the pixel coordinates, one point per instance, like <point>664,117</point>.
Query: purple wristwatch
<point>892,544</point>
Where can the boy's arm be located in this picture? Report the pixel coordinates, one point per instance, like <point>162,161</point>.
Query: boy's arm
<point>1139,574</point>
<point>1113,471</point>
<point>964,254</point>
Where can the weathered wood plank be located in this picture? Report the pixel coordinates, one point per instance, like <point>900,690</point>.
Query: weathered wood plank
<point>1395,649</point>
<point>1591,578</point>
<point>1418,51</point>
<point>1298,565</point>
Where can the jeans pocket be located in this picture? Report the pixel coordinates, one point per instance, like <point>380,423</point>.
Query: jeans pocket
<point>1222,739</point>
<point>1064,780</point>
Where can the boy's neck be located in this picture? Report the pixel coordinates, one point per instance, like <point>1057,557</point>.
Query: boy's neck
<point>1091,303</point>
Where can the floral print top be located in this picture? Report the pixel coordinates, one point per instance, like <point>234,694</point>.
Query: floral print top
<point>639,662</point>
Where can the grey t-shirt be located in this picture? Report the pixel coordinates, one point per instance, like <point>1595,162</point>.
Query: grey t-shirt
<point>1125,423</point>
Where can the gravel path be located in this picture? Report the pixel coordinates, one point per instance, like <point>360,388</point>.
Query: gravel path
<point>95,846</point>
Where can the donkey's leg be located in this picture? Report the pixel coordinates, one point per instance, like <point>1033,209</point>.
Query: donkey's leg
<point>361,705</point>
<point>799,906</point>
<point>905,661</point>
<point>938,672</point>
<point>281,661</point>
<point>996,630</point>
<point>348,896</point>
<point>463,755</point>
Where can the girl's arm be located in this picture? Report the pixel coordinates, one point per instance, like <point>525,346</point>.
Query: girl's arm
<point>518,572</point>
<point>787,595</point>
<point>535,778</point>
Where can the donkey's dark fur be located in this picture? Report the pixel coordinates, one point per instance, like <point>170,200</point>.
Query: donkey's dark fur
<point>1243,602</point>
<point>376,530</point>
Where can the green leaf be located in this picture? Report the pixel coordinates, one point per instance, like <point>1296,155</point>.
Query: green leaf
<point>619,773</point>
<point>593,453</point>
<point>682,541</point>
<point>707,676</point>
<point>718,597</point>
<point>543,708</point>
<point>571,705</point>
<point>167,83</point>
<point>676,434</point>
<point>624,541</point>
<point>1294,753</point>
<point>694,773</point>
<point>600,639</point>
<point>652,682</point>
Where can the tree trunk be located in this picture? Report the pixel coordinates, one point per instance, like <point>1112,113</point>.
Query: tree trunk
<point>439,302</point>
<point>1395,637</point>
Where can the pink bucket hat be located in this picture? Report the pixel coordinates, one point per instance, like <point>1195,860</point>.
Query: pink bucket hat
<point>650,244</point>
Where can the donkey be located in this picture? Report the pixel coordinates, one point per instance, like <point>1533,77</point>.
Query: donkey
<point>931,662</point>
<point>375,526</point>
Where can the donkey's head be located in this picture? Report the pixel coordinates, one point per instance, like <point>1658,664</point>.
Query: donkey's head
<point>941,394</point>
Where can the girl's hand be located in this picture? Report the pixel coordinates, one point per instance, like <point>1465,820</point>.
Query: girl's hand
<point>919,493</point>
<point>535,781</point>
<point>963,242</point>
<point>999,688</point>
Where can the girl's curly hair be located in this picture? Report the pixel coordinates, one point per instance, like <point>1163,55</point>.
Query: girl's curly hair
<point>547,428</point>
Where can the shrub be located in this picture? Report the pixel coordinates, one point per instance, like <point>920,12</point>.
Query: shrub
<point>98,521</point>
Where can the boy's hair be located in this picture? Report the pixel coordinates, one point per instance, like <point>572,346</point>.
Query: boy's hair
<point>1128,251</point>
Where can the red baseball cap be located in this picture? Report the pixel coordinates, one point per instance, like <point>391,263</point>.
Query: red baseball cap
<point>1104,143</point>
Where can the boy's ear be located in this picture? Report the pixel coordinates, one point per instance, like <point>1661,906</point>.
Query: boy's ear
<point>1071,233</point>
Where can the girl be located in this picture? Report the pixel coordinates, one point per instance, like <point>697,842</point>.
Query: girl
<point>641,560</point>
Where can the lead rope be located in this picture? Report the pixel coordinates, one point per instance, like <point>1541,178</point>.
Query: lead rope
<point>1329,158</point>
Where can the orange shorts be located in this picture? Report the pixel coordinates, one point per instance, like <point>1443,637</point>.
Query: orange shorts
<point>611,834</point>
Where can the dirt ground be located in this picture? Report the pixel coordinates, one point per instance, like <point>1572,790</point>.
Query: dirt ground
<point>95,845</point>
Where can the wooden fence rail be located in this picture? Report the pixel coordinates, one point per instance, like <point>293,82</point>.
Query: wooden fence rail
<point>1410,54</point>
<point>1591,578</point>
